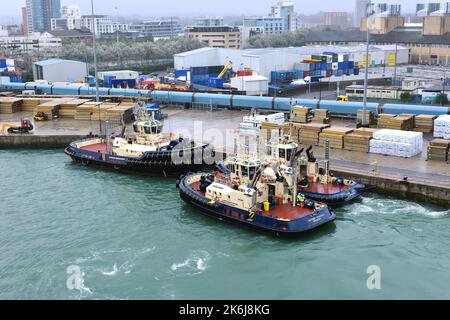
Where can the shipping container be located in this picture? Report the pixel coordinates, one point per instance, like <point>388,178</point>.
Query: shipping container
<point>2,63</point>
<point>215,82</point>
<point>107,80</point>
<point>123,83</point>
<point>356,71</point>
<point>181,73</point>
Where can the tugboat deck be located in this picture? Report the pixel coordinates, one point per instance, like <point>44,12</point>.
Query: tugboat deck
<point>95,147</point>
<point>329,188</point>
<point>280,211</point>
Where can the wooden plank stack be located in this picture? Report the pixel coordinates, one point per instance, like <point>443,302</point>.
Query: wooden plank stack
<point>370,117</point>
<point>10,105</point>
<point>401,122</point>
<point>121,110</point>
<point>335,135</point>
<point>301,114</point>
<point>424,123</point>
<point>50,108</point>
<point>359,140</point>
<point>67,109</point>
<point>321,116</point>
<point>307,133</point>
<point>29,104</point>
<point>101,112</point>
<point>438,150</point>
<point>383,120</point>
<point>84,111</point>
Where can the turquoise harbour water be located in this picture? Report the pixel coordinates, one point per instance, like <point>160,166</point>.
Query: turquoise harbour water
<point>133,238</point>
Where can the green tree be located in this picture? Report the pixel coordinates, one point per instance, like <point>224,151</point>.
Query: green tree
<point>405,97</point>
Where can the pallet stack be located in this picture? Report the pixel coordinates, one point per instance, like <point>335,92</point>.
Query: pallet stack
<point>307,133</point>
<point>359,139</point>
<point>438,150</point>
<point>370,117</point>
<point>10,105</point>
<point>321,116</point>
<point>383,120</point>
<point>301,114</point>
<point>335,135</point>
<point>424,123</point>
<point>67,109</point>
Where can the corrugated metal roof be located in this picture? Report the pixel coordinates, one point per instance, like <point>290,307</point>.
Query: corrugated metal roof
<point>55,61</point>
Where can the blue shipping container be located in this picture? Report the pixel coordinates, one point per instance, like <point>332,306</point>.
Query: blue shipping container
<point>2,63</point>
<point>356,71</point>
<point>215,82</point>
<point>107,80</point>
<point>181,73</point>
<point>199,70</point>
<point>123,83</point>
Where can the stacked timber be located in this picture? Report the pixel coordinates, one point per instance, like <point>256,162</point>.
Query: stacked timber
<point>307,133</point>
<point>301,114</point>
<point>119,111</point>
<point>84,111</point>
<point>49,108</point>
<point>383,120</point>
<point>438,150</point>
<point>67,109</point>
<point>321,116</point>
<point>6,94</point>
<point>101,112</point>
<point>10,105</point>
<point>401,122</point>
<point>30,104</point>
<point>424,123</point>
<point>370,117</point>
<point>335,135</point>
<point>359,139</point>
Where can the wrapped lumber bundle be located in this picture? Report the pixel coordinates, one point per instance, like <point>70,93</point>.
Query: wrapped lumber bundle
<point>308,133</point>
<point>321,116</point>
<point>50,108</point>
<point>359,139</point>
<point>370,117</point>
<point>67,108</point>
<point>6,94</point>
<point>335,135</point>
<point>397,143</point>
<point>424,123</point>
<point>438,150</point>
<point>119,111</point>
<point>10,105</point>
<point>442,127</point>
<point>29,104</point>
<point>383,120</point>
<point>301,114</point>
<point>84,111</point>
<point>101,112</point>
<point>401,122</point>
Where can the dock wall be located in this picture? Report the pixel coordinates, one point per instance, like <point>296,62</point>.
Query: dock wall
<point>31,141</point>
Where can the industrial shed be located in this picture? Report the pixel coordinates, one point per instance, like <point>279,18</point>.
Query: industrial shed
<point>263,61</point>
<point>58,70</point>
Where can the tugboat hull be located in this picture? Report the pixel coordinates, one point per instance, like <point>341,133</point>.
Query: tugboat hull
<point>339,198</point>
<point>258,222</point>
<point>151,163</point>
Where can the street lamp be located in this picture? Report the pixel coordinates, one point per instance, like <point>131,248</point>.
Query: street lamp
<point>97,98</point>
<point>366,75</point>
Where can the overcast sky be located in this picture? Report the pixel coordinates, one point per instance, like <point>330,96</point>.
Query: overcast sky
<point>198,7</point>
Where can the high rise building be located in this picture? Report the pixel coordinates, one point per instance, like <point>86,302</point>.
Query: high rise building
<point>286,11</point>
<point>40,13</point>
<point>209,22</point>
<point>24,21</point>
<point>360,11</point>
<point>70,19</point>
<point>339,19</point>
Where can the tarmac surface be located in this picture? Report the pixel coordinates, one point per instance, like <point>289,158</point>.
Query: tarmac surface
<point>222,123</point>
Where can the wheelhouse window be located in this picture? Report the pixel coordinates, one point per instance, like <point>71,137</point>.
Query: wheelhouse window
<point>251,171</point>
<point>244,171</point>
<point>147,129</point>
<point>282,153</point>
<point>288,154</point>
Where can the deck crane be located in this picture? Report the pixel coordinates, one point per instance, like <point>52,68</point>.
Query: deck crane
<point>225,69</point>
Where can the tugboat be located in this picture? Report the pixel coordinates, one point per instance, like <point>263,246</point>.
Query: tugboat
<point>314,178</point>
<point>146,151</point>
<point>260,194</point>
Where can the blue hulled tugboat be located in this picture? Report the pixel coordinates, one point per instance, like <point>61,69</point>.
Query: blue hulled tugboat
<point>145,151</point>
<point>258,194</point>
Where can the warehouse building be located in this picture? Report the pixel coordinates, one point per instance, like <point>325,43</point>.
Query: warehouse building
<point>58,70</point>
<point>264,61</point>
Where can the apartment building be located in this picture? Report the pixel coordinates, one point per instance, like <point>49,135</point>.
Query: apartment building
<point>216,37</point>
